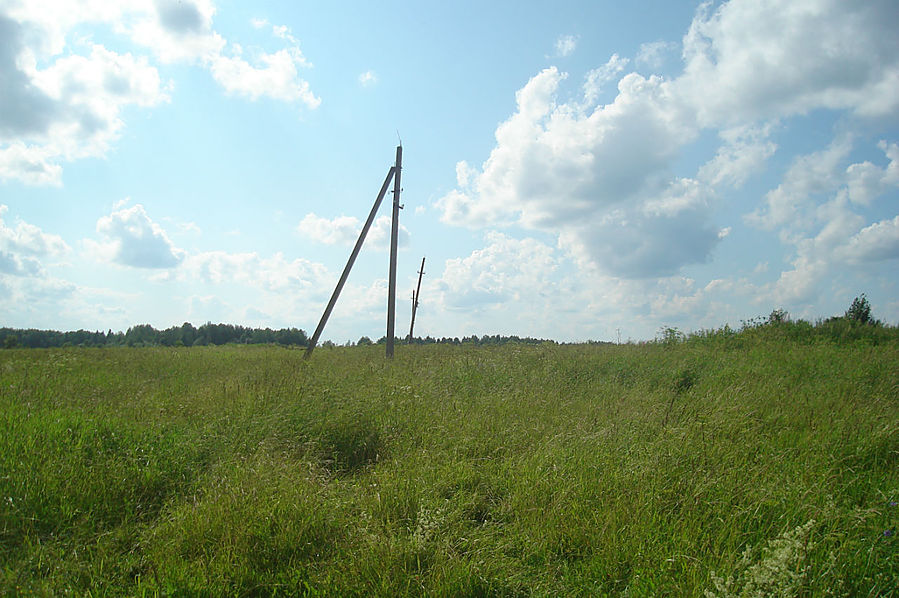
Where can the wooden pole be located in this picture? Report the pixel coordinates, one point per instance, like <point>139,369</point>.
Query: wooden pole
<point>415,297</point>
<point>394,233</point>
<point>349,265</point>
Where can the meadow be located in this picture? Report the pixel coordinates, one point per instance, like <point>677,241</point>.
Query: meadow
<point>761,462</point>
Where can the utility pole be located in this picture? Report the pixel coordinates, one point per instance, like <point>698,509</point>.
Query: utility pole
<point>415,297</point>
<point>349,265</point>
<point>394,233</point>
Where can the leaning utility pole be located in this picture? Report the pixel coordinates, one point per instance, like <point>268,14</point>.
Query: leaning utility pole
<point>415,297</point>
<point>349,265</point>
<point>394,233</point>
<point>392,174</point>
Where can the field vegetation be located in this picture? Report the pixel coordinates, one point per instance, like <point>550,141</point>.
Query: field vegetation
<point>763,461</point>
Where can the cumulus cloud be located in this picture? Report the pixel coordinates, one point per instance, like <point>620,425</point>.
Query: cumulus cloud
<point>28,292</point>
<point>507,269</point>
<point>877,242</point>
<point>602,177</point>
<point>177,30</point>
<point>749,61</point>
<point>131,238</point>
<point>867,181</point>
<point>344,230</point>
<point>652,54</point>
<point>275,273</point>
<point>182,31</point>
<point>62,97</point>
<point>24,246</point>
<point>809,176</point>
<point>818,211</point>
<point>566,45</point>
<point>744,152</point>
<point>597,78</point>
<point>274,75</point>
<point>69,110</point>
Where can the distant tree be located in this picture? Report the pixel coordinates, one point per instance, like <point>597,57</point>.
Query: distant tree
<point>670,335</point>
<point>141,335</point>
<point>778,316</point>
<point>11,342</point>
<point>364,341</point>
<point>860,311</point>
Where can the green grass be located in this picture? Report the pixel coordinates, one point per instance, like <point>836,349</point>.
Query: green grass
<point>732,464</point>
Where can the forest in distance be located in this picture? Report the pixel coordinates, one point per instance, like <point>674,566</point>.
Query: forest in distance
<point>187,335</point>
<point>841,327</point>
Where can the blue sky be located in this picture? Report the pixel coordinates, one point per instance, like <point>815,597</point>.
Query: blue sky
<point>569,171</point>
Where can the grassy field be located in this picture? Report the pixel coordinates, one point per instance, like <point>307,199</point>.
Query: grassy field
<point>729,465</point>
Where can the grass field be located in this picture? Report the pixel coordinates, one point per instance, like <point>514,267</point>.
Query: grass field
<point>729,465</point>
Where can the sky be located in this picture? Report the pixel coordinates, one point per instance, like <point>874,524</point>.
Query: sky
<point>578,170</point>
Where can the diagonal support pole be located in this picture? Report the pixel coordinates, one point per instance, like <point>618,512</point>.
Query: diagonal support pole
<point>349,265</point>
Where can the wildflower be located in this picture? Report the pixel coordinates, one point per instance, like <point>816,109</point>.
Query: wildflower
<point>887,533</point>
<point>893,503</point>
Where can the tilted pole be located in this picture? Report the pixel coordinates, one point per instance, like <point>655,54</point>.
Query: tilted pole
<point>349,265</point>
<point>415,297</point>
<point>394,233</point>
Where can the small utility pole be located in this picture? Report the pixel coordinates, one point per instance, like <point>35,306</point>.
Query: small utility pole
<point>394,233</point>
<point>415,297</point>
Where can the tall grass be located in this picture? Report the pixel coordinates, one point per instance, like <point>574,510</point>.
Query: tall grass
<point>738,464</point>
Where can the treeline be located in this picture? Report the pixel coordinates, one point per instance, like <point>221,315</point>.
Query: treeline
<point>188,335</point>
<point>474,339</point>
<point>145,335</point>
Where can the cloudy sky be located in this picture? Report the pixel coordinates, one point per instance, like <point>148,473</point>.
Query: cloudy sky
<point>569,171</point>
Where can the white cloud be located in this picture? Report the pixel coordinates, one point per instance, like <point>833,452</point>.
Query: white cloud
<point>177,30</point>
<point>816,210</point>
<point>368,79</point>
<point>24,246</point>
<point>877,242</point>
<point>28,239</point>
<point>867,181</point>
<point>132,239</point>
<point>28,293</point>
<point>68,110</point>
<point>62,97</point>
<point>600,179</point>
<point>744,152</point>
<point>753,61</point>
<point>653,54</point>
<point>598,77</point>
<point>274,274</point>
<point>566,45</point>
<point>607,180</point>
<point>380,234</point>
<point>274,76</point>
<point>506,270</point>
<point>809,176</point>
<point>344,230</point>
